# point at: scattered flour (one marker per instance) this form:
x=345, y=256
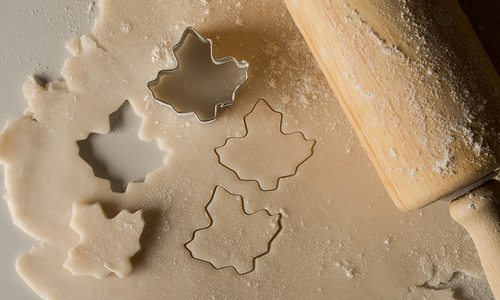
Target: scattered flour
x=125, y=27
x=91, y=8
x=349, y=271
x=394, y=153
x=163, y=53
x=442, y=166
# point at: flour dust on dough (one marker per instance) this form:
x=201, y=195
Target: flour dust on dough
x=106, y=245
x=233, y=238
x=341, y=236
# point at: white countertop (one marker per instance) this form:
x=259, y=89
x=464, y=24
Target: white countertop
x=32, y=35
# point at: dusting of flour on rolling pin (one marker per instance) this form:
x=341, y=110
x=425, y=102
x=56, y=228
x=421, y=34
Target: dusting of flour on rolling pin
x=413, y=76
x=414, y=84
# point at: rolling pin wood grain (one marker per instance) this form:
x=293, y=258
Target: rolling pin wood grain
x=420, y=93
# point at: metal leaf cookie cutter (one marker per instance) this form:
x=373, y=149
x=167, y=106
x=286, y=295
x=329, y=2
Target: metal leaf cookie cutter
x=199, y=84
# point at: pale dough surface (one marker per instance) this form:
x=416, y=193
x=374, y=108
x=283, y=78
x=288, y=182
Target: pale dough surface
x=105, y=245
x=340, y=237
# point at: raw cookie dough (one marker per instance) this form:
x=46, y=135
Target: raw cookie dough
x=105, y=245
x=341, y=236
x=250, y=156
x=233, y=238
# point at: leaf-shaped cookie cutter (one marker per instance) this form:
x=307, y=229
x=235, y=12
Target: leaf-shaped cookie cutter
x=228, y=59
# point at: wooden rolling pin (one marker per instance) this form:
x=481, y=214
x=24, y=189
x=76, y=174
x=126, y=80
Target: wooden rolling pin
x=423, y=98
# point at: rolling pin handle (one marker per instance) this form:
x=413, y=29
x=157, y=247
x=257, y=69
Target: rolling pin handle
x=479, y=213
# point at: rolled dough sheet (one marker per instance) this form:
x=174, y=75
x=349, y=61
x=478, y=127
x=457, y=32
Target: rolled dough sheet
x=340, y=237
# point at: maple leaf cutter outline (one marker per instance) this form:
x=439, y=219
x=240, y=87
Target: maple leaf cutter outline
x=281, y=131
x=220, y=61
x=207, y=213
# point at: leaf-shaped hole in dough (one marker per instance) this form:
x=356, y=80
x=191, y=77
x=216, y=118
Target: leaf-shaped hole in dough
x=120, y=156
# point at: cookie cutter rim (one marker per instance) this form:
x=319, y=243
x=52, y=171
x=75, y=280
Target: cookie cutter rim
x=220, y=61
x=242, y=203
x=280, y=178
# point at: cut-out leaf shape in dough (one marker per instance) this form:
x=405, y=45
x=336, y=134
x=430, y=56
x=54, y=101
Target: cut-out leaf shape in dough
x=120, y=156
x=233, y=238
x=199, y=83
x=106, y=245
x=265, y=154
